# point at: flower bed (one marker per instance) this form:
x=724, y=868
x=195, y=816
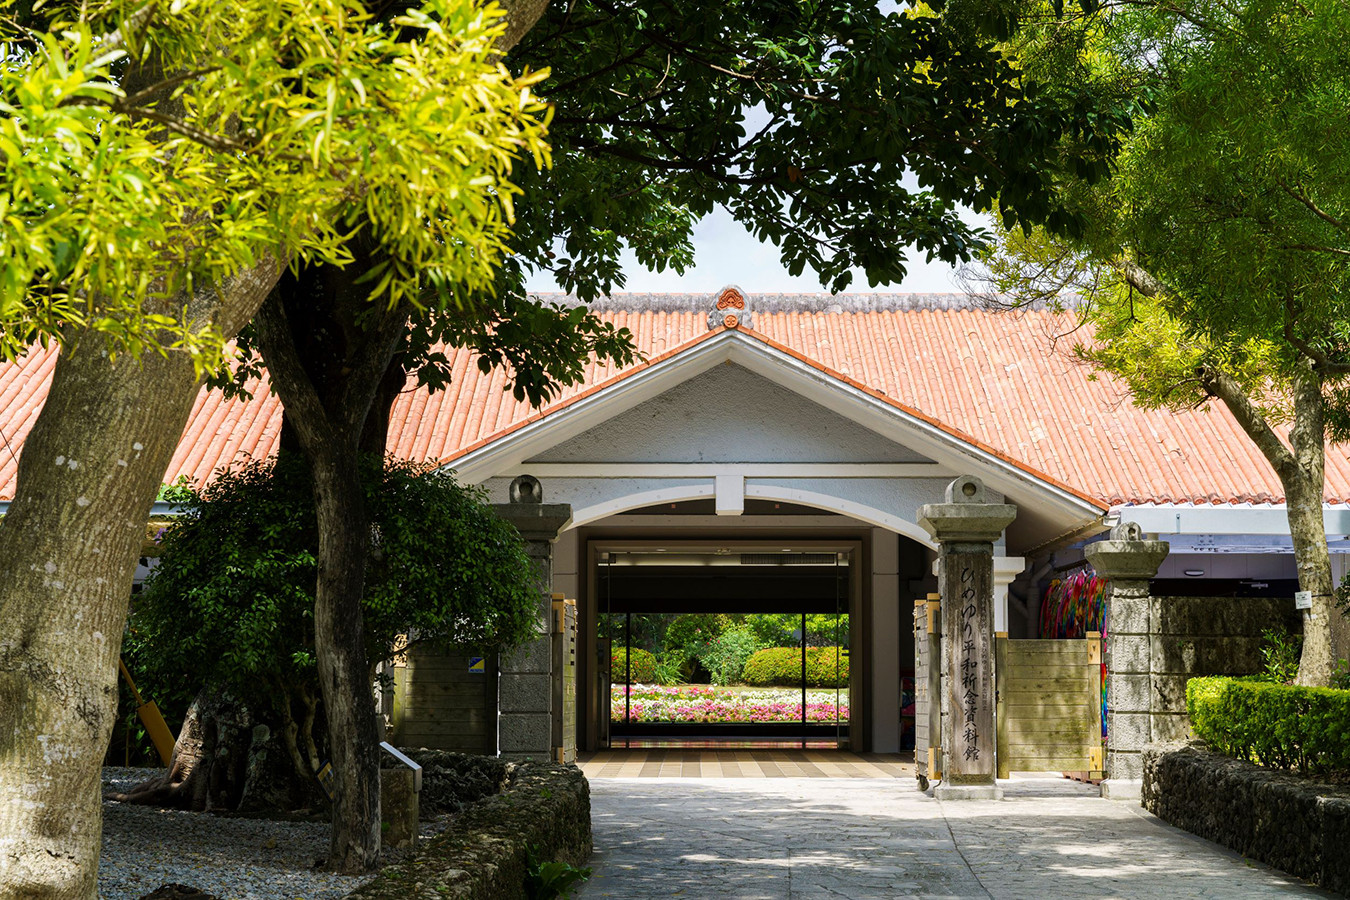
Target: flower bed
x=714, y=703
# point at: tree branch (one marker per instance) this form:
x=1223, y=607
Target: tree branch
x=1306, y=201
x=1317, y=248
x=1226, y=388
x=1321, y=362
x=117, y=40
x=288, y=375
x=380, y=340
x=1139, y=278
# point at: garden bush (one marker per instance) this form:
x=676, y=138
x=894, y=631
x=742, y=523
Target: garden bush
x=826, y=667
x=693, y=633
x=726, y=656
x=783, y=666
x=643, y=665
x=1276, y=725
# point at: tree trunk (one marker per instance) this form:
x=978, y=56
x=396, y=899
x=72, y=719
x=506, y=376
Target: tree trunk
x=327, y=391
x=1302, y=474
x=90, y=470
x=1304, y=487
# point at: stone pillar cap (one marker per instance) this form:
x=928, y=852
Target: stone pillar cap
x=1126, y=556
x=536, y=521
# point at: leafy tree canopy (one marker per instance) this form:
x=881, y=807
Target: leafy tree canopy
x=837, y=131
x=1223, y=228
x=151, y=149
x=232, y=599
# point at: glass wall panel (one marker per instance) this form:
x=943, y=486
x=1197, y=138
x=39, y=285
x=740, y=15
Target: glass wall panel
x=745, y=670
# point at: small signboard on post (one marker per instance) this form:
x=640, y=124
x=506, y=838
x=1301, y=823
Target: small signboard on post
x=477, y=665
x=1302, y=599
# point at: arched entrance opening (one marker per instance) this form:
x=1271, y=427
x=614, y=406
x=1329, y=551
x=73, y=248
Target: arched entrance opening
x=672, y=592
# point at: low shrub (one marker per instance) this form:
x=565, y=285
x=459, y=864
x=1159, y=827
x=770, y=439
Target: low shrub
x=1280, y=653
x=727, y=654
x=1276, y=725
x=783, y=666
x=642, y=663
x=826, y=667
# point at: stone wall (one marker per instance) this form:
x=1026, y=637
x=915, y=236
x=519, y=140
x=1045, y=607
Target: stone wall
x=483, y=854
x=1194, y=636
x=1293, y=824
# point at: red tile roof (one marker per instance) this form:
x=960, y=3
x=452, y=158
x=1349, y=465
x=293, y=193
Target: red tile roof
x=997, y=378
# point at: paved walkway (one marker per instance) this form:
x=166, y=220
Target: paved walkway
x=864, y=838
x=745, y=764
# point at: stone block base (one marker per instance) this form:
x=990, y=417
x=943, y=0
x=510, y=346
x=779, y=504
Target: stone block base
x=1129, y=789
x=946, y=791
x=398, y=808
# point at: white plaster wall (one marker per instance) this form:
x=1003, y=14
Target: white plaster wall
x=729, y=414
x=898, y=497
x=566, y=578
x=1230, y=565
x=885, y=641
x=585, y=493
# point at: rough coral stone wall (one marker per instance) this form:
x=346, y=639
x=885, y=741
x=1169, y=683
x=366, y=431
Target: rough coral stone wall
x=483, y=855
x=1293, y=824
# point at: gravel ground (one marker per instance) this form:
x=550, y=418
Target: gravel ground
x=233, y=859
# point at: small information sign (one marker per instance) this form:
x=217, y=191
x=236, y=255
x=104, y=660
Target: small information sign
x=1302, y=599
x=477, y=665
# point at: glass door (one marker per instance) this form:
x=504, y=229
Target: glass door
x=736, y=647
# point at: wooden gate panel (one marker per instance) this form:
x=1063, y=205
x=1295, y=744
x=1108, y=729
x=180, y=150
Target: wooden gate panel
x=1049, y=705
x=445, y=701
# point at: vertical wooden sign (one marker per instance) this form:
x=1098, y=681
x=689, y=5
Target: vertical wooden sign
x=967, y=578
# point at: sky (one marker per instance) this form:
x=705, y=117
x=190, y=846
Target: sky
x=725, y=253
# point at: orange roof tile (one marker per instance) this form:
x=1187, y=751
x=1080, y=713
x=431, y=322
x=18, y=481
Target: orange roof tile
x=996, y=379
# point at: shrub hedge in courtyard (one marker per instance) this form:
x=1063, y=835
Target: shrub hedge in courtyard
x=1277, y=725
x=643, y=666
x=783, y=666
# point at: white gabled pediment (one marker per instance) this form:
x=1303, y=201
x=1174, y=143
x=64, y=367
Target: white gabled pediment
x=728, y=414
x=735, y=399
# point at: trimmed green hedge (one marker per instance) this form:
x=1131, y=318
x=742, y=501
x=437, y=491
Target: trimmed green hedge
x=643, y=666
x=783, y=666
x=1276, y=725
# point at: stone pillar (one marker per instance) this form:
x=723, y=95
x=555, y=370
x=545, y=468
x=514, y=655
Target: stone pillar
x=1128, y=562
x=965, y=528
x=525, y=723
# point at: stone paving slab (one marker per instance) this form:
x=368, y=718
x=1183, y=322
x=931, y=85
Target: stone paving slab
x=859, y=838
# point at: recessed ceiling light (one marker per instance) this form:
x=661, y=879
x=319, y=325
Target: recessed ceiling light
x=1195, y=573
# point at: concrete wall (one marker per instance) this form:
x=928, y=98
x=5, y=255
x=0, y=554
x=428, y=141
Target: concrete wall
x=1193, y=636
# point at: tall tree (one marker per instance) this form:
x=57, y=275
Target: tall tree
x=162, y=166
x=1217, y=257
x=654, y=124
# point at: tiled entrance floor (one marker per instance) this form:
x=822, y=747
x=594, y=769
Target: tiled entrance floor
x=744, y=764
